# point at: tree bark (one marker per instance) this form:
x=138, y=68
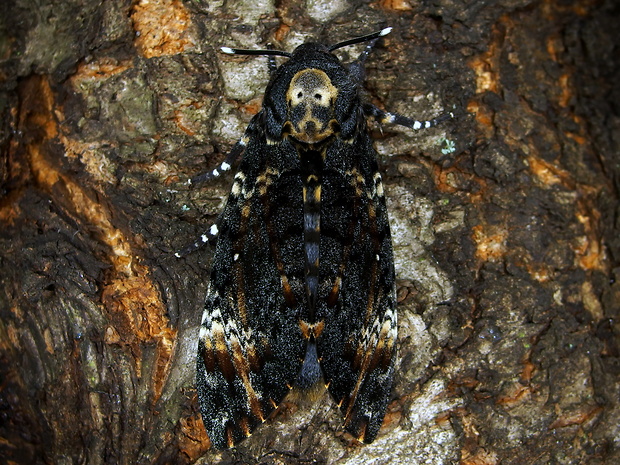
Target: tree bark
x=505, y=225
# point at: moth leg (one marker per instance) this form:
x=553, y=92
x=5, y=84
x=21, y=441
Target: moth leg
x=253, y=129
x=273, y=67
x=226, y=165
x=208, y=237
x=356, y=68
x=394, y=118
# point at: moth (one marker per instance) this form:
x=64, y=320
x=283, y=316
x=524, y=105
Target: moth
x=302, y=286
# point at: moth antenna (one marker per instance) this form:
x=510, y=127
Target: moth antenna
x=239, y=51
x=366, y=38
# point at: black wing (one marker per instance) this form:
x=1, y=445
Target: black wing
x=250, y=349
x=357, y=295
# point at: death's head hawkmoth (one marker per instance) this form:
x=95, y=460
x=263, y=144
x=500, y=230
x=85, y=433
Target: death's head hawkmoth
x=302, y=287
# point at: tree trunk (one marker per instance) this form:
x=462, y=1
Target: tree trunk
x=505, y=225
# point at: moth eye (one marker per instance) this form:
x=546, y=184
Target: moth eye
x=317, y=96
x=300, y=95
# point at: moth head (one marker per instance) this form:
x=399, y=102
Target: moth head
x=311, y=98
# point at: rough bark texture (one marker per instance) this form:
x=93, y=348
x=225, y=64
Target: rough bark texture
x=507, y=247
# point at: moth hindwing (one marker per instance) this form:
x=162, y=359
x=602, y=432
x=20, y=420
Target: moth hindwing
x=302, y=282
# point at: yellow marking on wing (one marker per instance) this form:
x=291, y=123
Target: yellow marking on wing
x=229, y=437
x=242, y=369
x=245, y=427
x=362, y=433
x=289, y=295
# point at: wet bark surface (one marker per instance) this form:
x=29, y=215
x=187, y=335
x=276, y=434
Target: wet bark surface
x=505, y=225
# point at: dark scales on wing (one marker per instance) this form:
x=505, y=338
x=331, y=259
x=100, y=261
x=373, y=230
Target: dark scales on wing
x=302, y=285
x=250, y=347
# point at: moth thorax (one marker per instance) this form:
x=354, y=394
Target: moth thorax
x=311, y=97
